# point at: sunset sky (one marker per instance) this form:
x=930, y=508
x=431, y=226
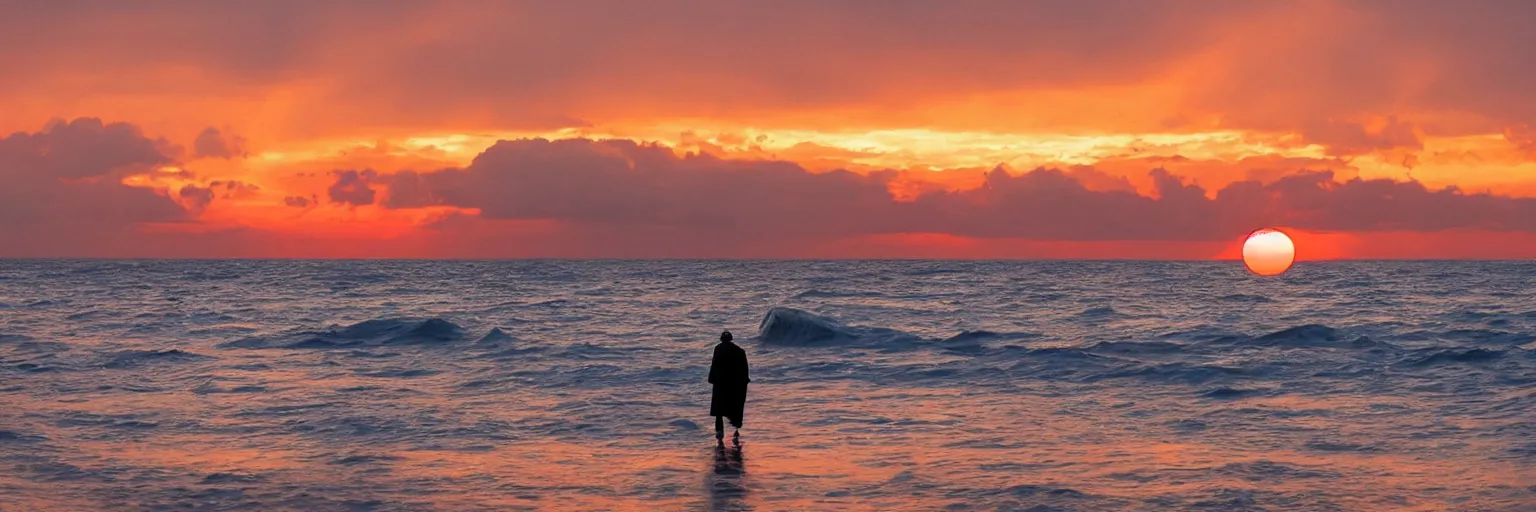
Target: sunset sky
x=968, y=129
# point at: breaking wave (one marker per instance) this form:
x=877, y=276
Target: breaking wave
x=788, y=326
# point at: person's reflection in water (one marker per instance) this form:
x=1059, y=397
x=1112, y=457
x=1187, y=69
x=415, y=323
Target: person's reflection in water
x=726, y=488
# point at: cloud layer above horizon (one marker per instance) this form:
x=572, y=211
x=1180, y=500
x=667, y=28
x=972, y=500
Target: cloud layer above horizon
x=801, y=129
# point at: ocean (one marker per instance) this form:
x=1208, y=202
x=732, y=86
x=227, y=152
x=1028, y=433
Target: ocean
x=877, y=385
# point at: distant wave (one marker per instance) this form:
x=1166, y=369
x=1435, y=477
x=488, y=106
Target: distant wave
x=1312, y=336
x=1302, y=336
x=1136, y=347
x=496, y=335
x=793, y=327
x=977, y=337
x=1099, y=312
x=390, y=331
x=1430, y=357
x=784, y=326
x=133, y=358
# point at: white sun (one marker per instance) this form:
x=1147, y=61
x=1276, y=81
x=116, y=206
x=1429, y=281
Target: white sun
x=1268, y=252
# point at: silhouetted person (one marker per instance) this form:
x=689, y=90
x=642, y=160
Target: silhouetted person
x=728, y=372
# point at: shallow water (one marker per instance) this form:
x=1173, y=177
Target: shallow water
x=879, y=385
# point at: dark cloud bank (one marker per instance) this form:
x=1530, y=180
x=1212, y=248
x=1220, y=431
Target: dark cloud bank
x=63, y=195
x=70, y=174
x=623, y=183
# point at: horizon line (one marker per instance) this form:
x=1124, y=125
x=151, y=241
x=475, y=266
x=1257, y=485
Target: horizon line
x=607, y=258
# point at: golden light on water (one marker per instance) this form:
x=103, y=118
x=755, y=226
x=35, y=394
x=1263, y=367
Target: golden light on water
x=1268, y=252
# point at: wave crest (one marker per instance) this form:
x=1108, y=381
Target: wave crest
x=388, y=331
x=1310, y=336
x=789, y=326
x=792, y=327
x=1433, y=357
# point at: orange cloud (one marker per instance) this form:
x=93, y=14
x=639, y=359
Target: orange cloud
x=621, y=183
x=264, y=101
x=404, y=67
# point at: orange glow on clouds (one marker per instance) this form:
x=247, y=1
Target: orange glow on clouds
x=1215, y=94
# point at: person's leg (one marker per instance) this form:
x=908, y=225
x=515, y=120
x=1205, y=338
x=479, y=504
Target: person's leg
x=719, y=428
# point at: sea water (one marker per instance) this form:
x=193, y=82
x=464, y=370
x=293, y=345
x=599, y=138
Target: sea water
x=877, y=385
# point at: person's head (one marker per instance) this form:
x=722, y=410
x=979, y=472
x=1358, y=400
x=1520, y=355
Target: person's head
x=725, y=336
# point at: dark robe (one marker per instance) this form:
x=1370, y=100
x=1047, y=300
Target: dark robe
x=728, y=372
